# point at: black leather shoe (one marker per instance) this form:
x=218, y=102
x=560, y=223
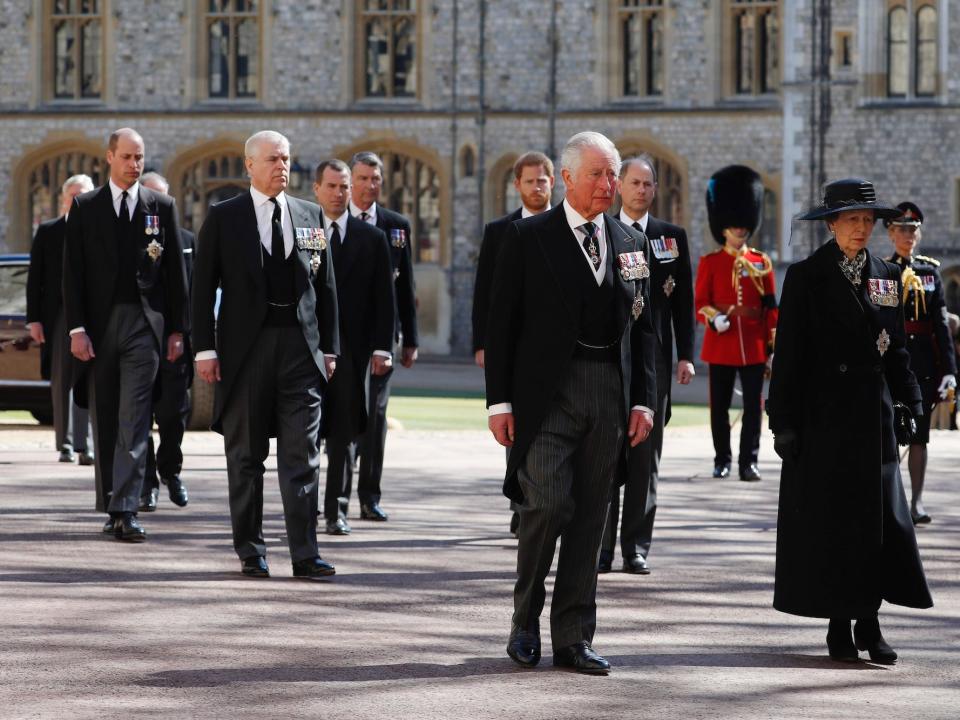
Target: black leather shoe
x=177, y=490
x=338, y=527
x=605, y=563
x=515, y=524
x=636, y=564
x=67, y=455
x=110, y=527
x=255, y=566
x=86, y=458
x=840, y=642
x=581, y=657
x=313, y=568
x=721, y=471
x=751, y=473
x=148, y=501
x=523, y=647
x=129, y=530
x=867, y=635
x=372, y=512
x=919, y=516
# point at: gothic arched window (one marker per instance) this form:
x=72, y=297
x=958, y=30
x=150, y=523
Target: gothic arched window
x=45, y=179
x=215, y=178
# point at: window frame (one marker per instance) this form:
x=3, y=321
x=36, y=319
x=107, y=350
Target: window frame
x=912, y=10
x=645, y=13
x=762, y=85
x=935, y=41
x=361, y=14
x=234, y=17
x=50, y=54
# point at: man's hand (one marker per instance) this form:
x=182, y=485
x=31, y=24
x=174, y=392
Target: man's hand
x=36, y=333
x=81, y=347
x=502, y=428
x=408, y=357
x=209, y=370
x=380, y=365
x=685, y=372
x=330, y=364
x=640, y=426
x=174, y=347
x=478, y=357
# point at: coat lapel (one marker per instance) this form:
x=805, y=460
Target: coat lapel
x=564, y=259
x=619, y=242
x=351, y=249
x=840, y=293
x=299, y=218
x=247, y=222
x=108, y=224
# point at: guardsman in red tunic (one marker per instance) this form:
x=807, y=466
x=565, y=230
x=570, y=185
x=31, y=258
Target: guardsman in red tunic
x=736, y=302
x=932, y=357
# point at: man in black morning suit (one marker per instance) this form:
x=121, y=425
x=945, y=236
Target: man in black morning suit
x=45, y=318
x=123, y=283
x=671, y=295
x=271, y=350
x=366, y=175
x=171, y=406
x=361, y=263
x=570, y=371
x=533, y=180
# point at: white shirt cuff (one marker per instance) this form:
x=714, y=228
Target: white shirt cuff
x=330, y=356
x=383, y=353
x=643, y=409
x=77, y=330
x=205, y=355
x=499, y=409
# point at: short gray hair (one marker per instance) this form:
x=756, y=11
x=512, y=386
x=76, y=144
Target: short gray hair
x=573, y=150
x=155, y=178
x=85, y=180
x=365, y=157
x=250, y=147
x=641, y=159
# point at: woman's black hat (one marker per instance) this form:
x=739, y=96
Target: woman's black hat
x=850, y=194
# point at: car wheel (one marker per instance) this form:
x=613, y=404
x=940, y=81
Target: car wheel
x=201, y=405
x=41, y=417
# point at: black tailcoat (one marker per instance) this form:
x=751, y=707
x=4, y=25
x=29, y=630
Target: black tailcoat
x=401, y=262
x=534, y=323
x=493, y=234
x=845, y=539
x=229, y=256
x=45, y=283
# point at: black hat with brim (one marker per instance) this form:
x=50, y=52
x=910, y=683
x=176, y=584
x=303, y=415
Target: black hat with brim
x=850, y=194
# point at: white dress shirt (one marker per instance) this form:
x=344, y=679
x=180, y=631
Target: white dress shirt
x=370, y=211
x=264, y=211
x=627, y=220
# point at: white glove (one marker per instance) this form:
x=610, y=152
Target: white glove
x=721, y=324
x=949, y=382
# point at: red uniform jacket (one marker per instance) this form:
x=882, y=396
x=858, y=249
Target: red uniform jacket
x=746, y=296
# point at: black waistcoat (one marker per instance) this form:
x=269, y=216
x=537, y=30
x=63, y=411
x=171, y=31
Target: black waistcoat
x=279, y=275
x=129, y=252
x=598, y=321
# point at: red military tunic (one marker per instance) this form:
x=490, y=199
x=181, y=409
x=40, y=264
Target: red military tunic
x=746, y=296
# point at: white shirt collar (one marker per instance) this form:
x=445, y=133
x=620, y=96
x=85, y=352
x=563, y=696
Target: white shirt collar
x=370, y=211
x=575, y=220
x=133, y=194
x=341, y=223
x=525, y=213
x=260, y=198
x=644, y=219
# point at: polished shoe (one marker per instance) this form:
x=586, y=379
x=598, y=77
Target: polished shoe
x=110, y=527
x=867, y=635
x=372, y=512
x=523, y=647
x=255, y=566
x=313, y=568
x=636, y=564
x=177, y=490
x=721, y=471
x=148, y=501
x=605, y=563
x=86, y=458
x=129, y=530
x=581, y=657
x=515, y=524
x=751, y=473
x=919, y=515
x=67, y=455
x=840, y=641
x=338, y=527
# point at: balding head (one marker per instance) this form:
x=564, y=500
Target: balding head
x=125, y=153
x=116, y=135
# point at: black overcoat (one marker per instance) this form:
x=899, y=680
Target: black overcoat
x=845, y=540
x=45, y=284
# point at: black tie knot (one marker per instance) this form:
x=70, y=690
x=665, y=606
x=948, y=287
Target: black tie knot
x=364, y=216
x=636, y=226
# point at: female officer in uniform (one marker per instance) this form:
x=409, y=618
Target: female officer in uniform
x=845, y=541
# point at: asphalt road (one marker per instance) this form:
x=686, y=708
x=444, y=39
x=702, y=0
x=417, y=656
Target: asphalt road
x=414, y=624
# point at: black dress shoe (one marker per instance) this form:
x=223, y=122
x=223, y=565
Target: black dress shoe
x=313, y=568
x=372, y=512
x=66, y=455
x=86, y=458
x=177, y=490
x=605, y=563
x=840, y=642
x=636, y=564
x=129, y=530
x=721, y=471
x=751, y=473
x=110, y=527
x=581, y=657
x=148, y=502
x=523, y=647
x=867, y=635
x=255, y=566
x=919, y=516
x=338, y=527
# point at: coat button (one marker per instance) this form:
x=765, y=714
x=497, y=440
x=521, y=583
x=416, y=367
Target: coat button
x=843, y=367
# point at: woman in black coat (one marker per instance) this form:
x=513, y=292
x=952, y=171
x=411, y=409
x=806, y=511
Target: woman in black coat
x=845, y=540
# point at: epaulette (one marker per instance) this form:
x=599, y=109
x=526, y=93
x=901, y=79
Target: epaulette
x=761, y=253
x=924, y=258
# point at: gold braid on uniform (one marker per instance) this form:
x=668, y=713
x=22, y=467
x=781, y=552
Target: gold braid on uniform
x=756, y=275
x=912, y=282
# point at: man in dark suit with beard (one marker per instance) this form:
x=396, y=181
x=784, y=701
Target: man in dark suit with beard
x=71, y=423
x=271, y=350
x=570, y=372
x=361, y=262
x=671, y=295
x=123, y=285
x=366, y=175
x=533, y=180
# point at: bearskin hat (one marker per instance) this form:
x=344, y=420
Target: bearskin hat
x=734, y=199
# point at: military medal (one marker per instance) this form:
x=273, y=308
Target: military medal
x=633, y=266
x=668, y=285
x=311, y=239
x=637, y=306
x=398, y=237
x=665, y=248
x=929, y=283
x=151, y=224
x=154, y=250
x=883, y=342
x=883, y=292
x=315, y=262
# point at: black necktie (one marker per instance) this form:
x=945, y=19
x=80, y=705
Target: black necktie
x=636, y=226
x=590, y=243
x=335, y=242
x=364, y=216
x=276, y=228
x=124, y=214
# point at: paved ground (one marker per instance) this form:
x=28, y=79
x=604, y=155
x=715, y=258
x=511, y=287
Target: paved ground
x=415, y=621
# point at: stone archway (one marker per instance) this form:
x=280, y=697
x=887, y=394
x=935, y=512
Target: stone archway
x=206, y=174
x=671, y=202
